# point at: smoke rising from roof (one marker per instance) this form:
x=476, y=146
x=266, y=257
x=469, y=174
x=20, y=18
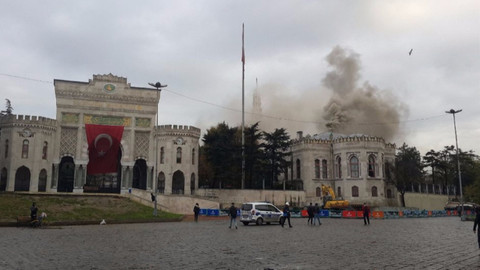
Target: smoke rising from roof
x=341, y=105
x=355, y=108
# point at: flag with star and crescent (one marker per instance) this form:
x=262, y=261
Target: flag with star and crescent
x=103, y=146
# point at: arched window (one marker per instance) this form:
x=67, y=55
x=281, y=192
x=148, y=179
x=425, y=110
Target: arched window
x=339, y=192
x=42, y=181
x=25, y=149
x=44, y=151
x=324, y=169
x=3, y=179
x=318, y=192
x=374, y=191
x=6, y=148
x=179, y=155
x=389, y=193
x=192, y=184
x=193, y=156
x=354, y=191
x=338, y=167
x=354, y=167
x=298, y=169
x=371, y=166
x=161, y=183
x=162, y=155
x=317, y=168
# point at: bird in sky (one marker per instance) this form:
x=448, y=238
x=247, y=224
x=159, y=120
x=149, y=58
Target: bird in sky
x=410, y=52
x=157, y=85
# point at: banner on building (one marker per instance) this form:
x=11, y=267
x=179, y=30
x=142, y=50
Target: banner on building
x=103, y=147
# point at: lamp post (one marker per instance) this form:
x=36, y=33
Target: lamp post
x=453, y=112
x=155, y=184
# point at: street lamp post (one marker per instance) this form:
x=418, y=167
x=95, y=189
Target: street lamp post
x=155, y=184
x=453, y=112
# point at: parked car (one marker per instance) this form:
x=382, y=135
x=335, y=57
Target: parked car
x=259, y=213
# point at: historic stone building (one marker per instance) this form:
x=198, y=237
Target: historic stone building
x=41, y=154
x=352, y=165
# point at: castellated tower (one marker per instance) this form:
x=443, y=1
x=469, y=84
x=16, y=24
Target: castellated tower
x=177, y=162
x=27, y=152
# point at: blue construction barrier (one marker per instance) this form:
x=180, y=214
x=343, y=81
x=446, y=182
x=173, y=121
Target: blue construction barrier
x=213, y=212
x=203, y=212
x=324, y=213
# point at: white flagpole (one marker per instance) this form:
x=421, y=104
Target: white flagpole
x=243, y=107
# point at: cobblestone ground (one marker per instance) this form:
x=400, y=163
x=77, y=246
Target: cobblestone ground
x=416, y=243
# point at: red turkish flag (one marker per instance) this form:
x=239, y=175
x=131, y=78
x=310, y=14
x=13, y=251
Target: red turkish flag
x=103, y=146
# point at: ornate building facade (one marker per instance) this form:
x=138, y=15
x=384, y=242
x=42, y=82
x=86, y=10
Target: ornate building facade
x=52, y=155
x=354, y=166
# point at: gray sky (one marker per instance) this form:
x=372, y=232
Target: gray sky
x=302, y=52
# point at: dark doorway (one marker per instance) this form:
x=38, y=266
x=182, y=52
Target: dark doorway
x=22, y=179
x=106, y=182
x=3, y=180
x=140, y=174
x=178, y=183
x=66, y=175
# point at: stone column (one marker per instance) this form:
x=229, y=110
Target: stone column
x=55, y=172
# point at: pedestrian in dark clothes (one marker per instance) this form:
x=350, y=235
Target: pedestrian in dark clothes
x=316, y=213
x=286, y=215
x=310, y=212
x=477, y=223
x=33, y=212
x=366, y=214
x=232, y=212
x=196, y=211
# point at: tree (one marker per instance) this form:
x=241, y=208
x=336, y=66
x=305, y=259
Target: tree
x=255, y=165
x=222, y=149
x=432, y=160
x=8, y=108
x=276, y=146
x=408, y=169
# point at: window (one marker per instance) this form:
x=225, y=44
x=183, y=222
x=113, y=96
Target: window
x=6, y=148
x=25, y=149
x=389, y=193
x=339, y=192
x=338, y=167
x=44, y=151
x=318, y=192
x=354, y=168
x=179, y=155
x=298, y=168
x=192, y=184
x=193, y=156
x=324, y=169
x=162, y=155
x=354, y=191
x=374, y=191
x=161, y=183
x=371, y=166
x=317, y=168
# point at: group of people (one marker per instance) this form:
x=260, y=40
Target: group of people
x=232, y=212
x=313, y=212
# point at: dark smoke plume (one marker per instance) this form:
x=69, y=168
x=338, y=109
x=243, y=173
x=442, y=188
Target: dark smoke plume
x=355, y=108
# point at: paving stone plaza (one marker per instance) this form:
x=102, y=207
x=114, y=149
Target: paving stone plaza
x=408, y=243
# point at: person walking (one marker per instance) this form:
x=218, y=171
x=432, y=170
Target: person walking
x=232, y=212
x=366, y=214
x=286, y=215
x=310, y=212
x=316, y=212
x=477, y=223
x=196, y=211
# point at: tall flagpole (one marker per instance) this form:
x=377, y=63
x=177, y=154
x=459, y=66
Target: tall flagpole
x=243, y=107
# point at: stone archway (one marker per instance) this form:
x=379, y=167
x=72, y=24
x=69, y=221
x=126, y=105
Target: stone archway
x=22, y=179
x=140, y=174
x=178, y=183
x=66, y=175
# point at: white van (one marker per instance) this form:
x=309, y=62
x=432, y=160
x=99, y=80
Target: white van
x=259, y=213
